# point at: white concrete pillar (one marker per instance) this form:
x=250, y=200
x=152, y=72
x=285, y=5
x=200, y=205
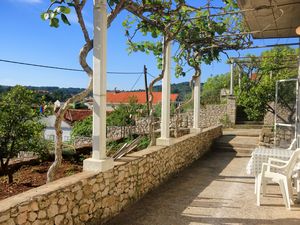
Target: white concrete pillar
x=231, y=77
x=99, y=161
x=197, y=93
x=165, y=103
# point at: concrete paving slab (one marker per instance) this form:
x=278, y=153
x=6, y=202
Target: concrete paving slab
x=213, y=190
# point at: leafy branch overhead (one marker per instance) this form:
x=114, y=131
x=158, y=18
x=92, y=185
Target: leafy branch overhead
x=198, y=34
x=59, y=11
x=205, y=30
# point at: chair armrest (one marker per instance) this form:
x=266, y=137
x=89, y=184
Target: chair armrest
x=267, y=167
x=270, y=160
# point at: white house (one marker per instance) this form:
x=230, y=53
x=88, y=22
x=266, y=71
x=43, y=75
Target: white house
x=49, y=132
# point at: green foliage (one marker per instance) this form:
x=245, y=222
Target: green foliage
x=190, y=28
x=182, y=89
x=48, y=94
x=83, y=128
x=157, y=109
x=212, y=88
x=123, y=114
x=144, y=143
x=188, y=106
x=226, y=121
x=79, y=105
x=19, y=126
x=58, y=13
x=257, y=94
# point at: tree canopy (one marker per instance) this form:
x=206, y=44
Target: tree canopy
x=259, y=81
x=212, y=88
x=20, y=129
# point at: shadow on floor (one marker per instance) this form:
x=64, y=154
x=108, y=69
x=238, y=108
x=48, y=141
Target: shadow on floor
x=213, y=190
x=177, y=193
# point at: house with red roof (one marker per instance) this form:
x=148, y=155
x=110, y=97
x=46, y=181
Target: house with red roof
x=73, y=115
x=117, y=97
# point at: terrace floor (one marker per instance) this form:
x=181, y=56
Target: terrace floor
x=213, y=190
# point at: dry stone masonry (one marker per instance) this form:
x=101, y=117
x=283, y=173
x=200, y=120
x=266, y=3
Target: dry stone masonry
x=88, y=197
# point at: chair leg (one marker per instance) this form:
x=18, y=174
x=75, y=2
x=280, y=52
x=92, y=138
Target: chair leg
x=287, y=191
x=264, y=186
x=255, y=185
x=258, y=186
x=290, y=189
x=298, y=187
x=284, y=190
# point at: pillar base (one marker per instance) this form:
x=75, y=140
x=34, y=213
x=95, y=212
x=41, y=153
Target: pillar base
x=164, y=141
x=98, y=165
x=195, y=130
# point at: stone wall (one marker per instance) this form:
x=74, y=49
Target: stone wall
x=231, y=109
x=284, y=137
x=88, y=197
x=284, y=115
x=213, y=115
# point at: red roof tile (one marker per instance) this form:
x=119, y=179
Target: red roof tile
x=73, y=115
x=253, y=76
x=124, y=97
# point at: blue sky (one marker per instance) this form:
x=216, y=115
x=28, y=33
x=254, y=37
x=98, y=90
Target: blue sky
x=25, y=37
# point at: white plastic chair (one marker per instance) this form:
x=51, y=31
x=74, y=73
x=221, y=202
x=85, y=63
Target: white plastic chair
x=282, y=177
x=292, y=146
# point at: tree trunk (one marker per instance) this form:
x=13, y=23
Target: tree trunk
x=60, y=115
x=10, y=177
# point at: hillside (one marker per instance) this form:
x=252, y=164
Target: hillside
x=54, y=93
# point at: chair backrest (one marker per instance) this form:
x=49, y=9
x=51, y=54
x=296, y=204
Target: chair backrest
x=295, y=157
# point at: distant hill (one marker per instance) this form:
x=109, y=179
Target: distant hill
x=182, y=89
x=54, y=93
x=51, y=93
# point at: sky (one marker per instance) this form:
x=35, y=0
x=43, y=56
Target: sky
x=25, y=37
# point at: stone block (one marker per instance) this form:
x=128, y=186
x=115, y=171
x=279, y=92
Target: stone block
x=42, y=214
x=52, y=211
x=22, y=218
x=59, y=219
x=32, y=216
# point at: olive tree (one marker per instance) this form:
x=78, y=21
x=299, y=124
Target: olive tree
x=257, y=93
x=20, y=129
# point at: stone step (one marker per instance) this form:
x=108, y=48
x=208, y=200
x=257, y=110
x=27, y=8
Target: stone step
x=242, y=132
x=237, y=141
x=248, y=126
x=240, y=151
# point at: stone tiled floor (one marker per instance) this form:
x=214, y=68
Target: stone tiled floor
x=214, y=190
